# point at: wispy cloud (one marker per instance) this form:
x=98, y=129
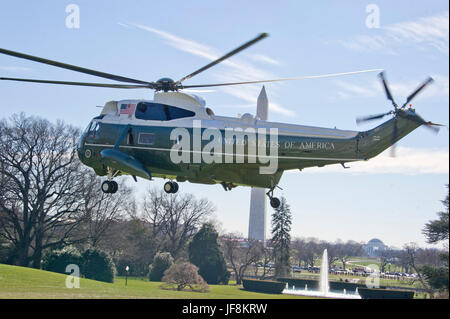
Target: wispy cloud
x=264, y=59
x=236, y=69
x=14, y=68
x=408, y=161
x=431, y=31
x=400, y=90
x=350, y=90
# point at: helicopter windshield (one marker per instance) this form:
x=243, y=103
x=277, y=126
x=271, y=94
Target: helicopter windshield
x=160, y=112
x=88, y=128
x=92, y=129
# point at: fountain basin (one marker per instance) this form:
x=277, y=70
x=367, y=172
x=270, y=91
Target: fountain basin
x=318, y=293
x=320, y=288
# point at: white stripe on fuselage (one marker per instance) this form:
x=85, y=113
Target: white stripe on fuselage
x=227, y=154
x=222, y=122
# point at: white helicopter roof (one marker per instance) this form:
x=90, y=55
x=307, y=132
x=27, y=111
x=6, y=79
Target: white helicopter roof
x=186, y=101
x=197, y=105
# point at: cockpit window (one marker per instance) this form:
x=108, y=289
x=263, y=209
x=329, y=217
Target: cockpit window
x=93, y=129
x=160, y=112
x=88, y=128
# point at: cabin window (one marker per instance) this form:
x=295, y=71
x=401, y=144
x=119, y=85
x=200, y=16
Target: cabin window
x=151, y=111
x=146, y=138
x=160, y=112
x=178, y=113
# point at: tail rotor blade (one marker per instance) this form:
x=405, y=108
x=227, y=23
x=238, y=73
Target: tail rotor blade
x=394, y=138
x=393, y=150
x=386, y=89
x=420, y=88
x=360, y=120
x=433, y=127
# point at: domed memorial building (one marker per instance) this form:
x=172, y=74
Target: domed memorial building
x=374, y=247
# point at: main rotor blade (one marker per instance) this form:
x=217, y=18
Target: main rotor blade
x=226, y=56
x=278, y=80
x=372, y=117
x=73, y=67
x=117, y=86
x=386, y=89
x=420, y=88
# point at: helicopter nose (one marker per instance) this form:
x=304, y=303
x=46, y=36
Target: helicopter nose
x=80, y=147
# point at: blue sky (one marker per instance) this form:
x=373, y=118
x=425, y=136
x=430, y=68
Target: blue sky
x=387, y=198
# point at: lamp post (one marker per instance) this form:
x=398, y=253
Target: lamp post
x=126, y=275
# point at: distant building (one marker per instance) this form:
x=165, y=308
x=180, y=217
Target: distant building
x=374, y=247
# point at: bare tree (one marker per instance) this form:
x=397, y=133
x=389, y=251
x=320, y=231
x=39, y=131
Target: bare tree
x=386, y=256
x=174, y=218
x=410, y=253
x=100, y=209
x=267, y=257
x=347, y=250
x=240, y=254
x=40, y=185
x=332, y=251
x=307, y=250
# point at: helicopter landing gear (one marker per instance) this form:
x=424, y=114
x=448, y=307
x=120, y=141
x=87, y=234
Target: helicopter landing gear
x=171, y=187
x=227, y=186
x=274, y=201
x=109, y=187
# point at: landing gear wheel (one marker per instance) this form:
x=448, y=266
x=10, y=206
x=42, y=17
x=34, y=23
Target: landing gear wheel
x=109, y=187
x=274, y=202
x=106, y=187
x=171, y=187
x=175, y=187
x=114, y=187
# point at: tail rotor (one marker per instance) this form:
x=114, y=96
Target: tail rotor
x=397, y=110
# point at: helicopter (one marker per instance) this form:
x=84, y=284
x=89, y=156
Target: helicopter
x=177, y=137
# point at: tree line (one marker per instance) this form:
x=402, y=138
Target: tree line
x=48, y=201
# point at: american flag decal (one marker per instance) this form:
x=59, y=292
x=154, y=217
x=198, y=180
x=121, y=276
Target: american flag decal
x=127, y=108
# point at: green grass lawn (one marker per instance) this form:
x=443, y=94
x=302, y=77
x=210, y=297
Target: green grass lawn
x=28, y=283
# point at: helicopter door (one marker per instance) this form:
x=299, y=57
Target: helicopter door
x=130, y=137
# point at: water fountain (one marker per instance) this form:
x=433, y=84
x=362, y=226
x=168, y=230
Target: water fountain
x=324, y=288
